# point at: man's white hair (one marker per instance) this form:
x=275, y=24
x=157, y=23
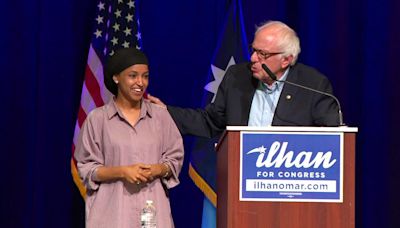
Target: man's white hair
x=288, y=40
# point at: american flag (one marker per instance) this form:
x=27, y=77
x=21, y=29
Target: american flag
x=116, y=26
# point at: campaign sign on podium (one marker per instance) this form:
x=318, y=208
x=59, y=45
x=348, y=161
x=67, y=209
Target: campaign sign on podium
x=291, y=166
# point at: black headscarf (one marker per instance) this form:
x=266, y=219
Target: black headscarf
x=122, y=59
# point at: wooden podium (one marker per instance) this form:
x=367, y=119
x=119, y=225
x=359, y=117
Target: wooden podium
x=233, y=213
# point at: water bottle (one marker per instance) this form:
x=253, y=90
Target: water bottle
x=148, y=215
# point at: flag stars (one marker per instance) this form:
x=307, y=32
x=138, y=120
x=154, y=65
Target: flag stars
x=117, y=13
x=116, y=27
x=101, y=6
x=125, y=44
x=120, y=1
x=127, y=31
x=114, y=41
x=131, y=4
x=138, y=35
x=218, y=76
x=99, y=19
x=98, y=33
x=129, y=17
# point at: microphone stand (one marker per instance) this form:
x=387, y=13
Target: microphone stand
x=273, y=77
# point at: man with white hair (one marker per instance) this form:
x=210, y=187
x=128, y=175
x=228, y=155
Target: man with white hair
x=247, y=96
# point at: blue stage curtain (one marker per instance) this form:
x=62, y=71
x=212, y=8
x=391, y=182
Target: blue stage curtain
x=44, y=46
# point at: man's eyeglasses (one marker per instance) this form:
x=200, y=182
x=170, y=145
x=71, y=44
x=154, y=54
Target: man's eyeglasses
x=263, y=54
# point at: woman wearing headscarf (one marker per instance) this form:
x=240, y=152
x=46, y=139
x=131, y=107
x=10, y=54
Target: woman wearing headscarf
x=129, y=150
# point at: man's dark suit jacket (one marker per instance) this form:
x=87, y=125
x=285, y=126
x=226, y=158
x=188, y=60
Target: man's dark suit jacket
x=296, y=106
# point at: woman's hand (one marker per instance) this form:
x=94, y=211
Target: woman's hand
x=142, y=173
x=159, y=170
x=137, y=173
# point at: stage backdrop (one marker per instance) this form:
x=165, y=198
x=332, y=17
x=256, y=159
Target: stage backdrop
x=44, y=46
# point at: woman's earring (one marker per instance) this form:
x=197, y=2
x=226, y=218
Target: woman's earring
x=116, y=82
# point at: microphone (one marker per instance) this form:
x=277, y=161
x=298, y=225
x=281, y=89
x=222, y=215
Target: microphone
x=273, y=77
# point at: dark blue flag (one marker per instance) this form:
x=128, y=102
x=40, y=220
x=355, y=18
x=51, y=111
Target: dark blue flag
x=232, y=48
